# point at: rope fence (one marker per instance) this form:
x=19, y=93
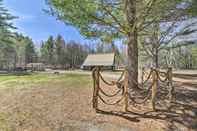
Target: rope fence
x=148, y=91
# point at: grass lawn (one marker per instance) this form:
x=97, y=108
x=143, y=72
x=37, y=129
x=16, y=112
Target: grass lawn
x=35, y=87
x=35, y=79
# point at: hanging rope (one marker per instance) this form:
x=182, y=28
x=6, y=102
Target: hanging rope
x=148, y=94
x=114, y=103
x=96, y=72
x=141, y=102
x=163, y=74
x=110, y=95
x=122, y=85
x=148, y=78
x=111, y=83
x=162, y=80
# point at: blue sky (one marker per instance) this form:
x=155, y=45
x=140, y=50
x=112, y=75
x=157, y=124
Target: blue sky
x=38, y=25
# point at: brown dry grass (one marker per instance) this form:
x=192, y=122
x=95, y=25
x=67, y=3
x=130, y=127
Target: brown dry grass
x=63, y=103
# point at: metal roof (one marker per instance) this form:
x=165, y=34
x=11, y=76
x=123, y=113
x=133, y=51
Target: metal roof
x=99, y=60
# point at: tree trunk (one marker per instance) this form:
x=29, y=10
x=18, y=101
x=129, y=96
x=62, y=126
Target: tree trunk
x=156, y=44
x=132, y=50
x=155, y=58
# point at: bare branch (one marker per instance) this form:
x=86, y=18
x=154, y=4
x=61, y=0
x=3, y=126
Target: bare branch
x=114, y=18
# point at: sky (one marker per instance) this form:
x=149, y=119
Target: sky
x=38, y=25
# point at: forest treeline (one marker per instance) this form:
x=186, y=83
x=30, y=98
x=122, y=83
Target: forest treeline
x=17, y=50
x=57, y=53
x=181, y=57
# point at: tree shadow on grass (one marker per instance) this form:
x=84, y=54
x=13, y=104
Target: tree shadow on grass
x=187, y=117
x=185, y=76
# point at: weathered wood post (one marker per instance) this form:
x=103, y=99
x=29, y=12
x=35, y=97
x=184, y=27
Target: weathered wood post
x=154, y=88
x=126, y=93
x=170, y=76
x=96, y=87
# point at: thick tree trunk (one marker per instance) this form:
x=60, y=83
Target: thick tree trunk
x=156, y=44
x=132, y=50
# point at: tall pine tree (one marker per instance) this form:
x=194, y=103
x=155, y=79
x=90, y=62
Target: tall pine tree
x=7, y=51
x=60, y=46
x=6, y=26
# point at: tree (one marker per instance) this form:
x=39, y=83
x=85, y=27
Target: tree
x=48, y=51
x=163, y=35
x=6, y=24
x=103, y=19
x=59, y=47
x=7, y=49
x=194, y=56
x=25, y=50
x=75, y=54
x=117, y=19
x=20, y=44
x=7, y=56
x=44, y=53
x=64, y=54
x=30, y=53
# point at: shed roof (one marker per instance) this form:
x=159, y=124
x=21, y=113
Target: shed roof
x=34, y=64
x=100, y=60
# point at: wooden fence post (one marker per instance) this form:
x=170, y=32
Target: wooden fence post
x=96, y=88
x=126, y=95
x=154, y=89
x=170, y=75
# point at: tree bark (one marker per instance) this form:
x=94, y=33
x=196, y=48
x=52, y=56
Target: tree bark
x=132, y=50
x=155, y=58
x=156, y=44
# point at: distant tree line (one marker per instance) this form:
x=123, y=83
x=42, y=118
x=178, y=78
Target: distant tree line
x=14, y=48
x=60, y=54
x=55, y=53
x=182, y=56
x=17, y=50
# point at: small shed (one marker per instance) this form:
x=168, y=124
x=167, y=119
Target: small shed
x=35, y=66
x=105, y=61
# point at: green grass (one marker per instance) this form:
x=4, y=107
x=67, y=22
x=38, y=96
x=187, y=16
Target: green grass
x=31, y=80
